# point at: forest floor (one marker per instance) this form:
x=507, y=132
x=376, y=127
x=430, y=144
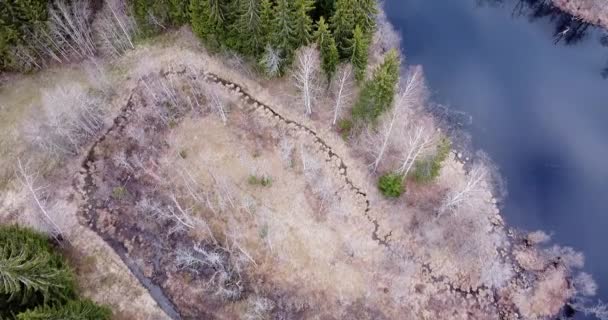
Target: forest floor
x=181, y=210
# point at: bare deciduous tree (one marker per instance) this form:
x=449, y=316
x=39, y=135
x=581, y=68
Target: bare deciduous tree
x=306, y=76
x=73, y=116
x=114, y=28
x=420, y=138
x=343, y=90
x=376, y=141
x=216, y=102
x=70, y=27
x=29, y=181
x=462, y=195
x=226, y=281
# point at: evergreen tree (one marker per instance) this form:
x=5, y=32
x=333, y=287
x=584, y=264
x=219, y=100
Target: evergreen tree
x=283, y=33
x=266, y=22
x=302, y=22
x=327, y=46
x=207, y=18
x=31, y=273
x=73, y=310
x=178, y=12
x=365, y=16
x=378, y=93
x=323, y=8
x=19, y=18
x=151, y=15
x=343, y=25
x=359, y=49
x=248, y=27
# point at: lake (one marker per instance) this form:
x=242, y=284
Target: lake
x=539, y=109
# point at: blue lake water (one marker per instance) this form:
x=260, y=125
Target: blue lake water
x=539, y=109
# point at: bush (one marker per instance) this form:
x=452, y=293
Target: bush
x=427, y=170
x=391, y=185
x=119, y=193
x=261, y=181
x=345, y=127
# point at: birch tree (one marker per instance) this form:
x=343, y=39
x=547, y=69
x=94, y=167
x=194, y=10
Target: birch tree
x=306, y=76
x=70, y=27
x=115, y=28
x=73, y=116
x=463, y=194
x=419, y=138
x=379, y=140
x=343, y=90
x=29, y=181
x=396, y=129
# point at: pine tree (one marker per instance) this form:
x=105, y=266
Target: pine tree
x=73, y=310
x=248, y=27
x=359, y=49
x=266, y=22
x=343, y=25
x=30, y=272
x=378, y=93
x=302, y=22
x=207, y=18
x=365, y=16
x=283, y=36
x=329, y=51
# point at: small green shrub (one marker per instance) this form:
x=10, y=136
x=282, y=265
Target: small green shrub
x=391, y=185
x=259, y=181
x=345, y=127
x=119, y=193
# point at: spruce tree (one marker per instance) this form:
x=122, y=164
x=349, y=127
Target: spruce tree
x=207, y=18
x=31, y=273
x=17, y=20
x=248, y=27
x=327, y=46
x=302, y=22
x=378, y=93
x=324, y=8
x=359, y=49
x=365, y=16
x=151, y=15
x=178, y=12
x=283, y=35
x=343, y=25
x=73, y=310
x=266, y=22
